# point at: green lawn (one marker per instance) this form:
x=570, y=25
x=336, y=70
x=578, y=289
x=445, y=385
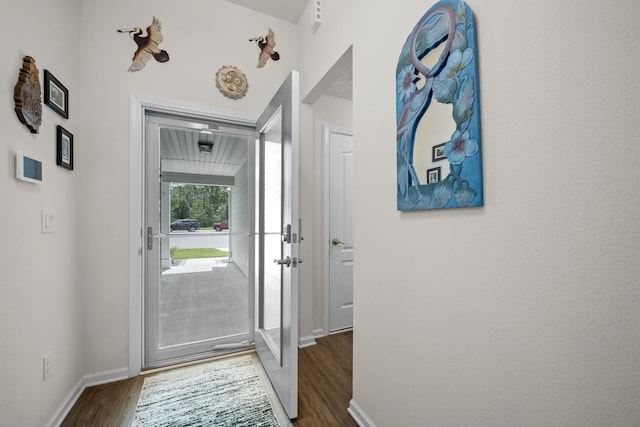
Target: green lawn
x=177, y=253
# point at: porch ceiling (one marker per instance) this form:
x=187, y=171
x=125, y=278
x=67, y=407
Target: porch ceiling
x=180, y=153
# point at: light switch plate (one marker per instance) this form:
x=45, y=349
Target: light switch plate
x=48, y=221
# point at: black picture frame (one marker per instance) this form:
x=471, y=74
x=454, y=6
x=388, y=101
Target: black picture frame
x=56, y=95
x=437, y=152
x=433, y=175
x=64, y=148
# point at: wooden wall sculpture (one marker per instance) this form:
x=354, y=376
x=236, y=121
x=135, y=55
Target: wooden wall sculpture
x=27, y=95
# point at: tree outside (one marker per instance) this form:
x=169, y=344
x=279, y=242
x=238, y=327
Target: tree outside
x=206, y=203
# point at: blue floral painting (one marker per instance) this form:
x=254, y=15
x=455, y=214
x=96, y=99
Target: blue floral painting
x=449, y=27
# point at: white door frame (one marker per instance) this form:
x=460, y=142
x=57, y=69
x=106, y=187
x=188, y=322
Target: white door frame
x=327, y=131
x=138, y=105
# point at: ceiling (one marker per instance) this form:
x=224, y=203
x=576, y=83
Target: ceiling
x=179, y=153
x=286, y=10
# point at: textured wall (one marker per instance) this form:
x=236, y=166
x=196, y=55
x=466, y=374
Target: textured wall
x=525, y=311
x=40, y=300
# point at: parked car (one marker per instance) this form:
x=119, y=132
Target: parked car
x=185, y=224
x=221, y=225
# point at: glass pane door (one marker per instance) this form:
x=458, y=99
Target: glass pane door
x=276, y=337
x=271, y=315
x=197, y=287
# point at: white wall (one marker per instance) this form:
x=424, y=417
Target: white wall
x=239, y=219
x=318, y=52
x=200, y=37
x=40, y=307
x=525, y=311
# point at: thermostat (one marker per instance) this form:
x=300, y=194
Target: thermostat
x=28, y=169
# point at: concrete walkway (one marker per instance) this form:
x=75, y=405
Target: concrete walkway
x=197, y=265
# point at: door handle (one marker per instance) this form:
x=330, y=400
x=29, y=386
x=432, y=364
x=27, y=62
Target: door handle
x=151, y=236
x=336, y=242
x=286, y=261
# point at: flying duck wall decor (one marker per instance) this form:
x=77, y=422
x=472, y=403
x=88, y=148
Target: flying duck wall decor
x=147, y=45
x=266, y=45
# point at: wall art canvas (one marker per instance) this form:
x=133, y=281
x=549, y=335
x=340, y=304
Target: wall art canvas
x=438, y=111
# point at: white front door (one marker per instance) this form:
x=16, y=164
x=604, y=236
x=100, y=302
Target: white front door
x=197, y=299
x=278, y=238
x=340, y=147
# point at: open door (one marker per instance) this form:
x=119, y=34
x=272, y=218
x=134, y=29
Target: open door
x=278, y=239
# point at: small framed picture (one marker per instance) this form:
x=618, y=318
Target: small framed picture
x=64, y=151
x=437, y=152
x=433, y=175
x=56, y=96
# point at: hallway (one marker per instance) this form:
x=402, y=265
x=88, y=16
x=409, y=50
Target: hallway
x=324, y=384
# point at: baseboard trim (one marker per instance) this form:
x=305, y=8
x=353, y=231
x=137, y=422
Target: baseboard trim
x=106, y=377
x=310, y=340
x=307, y=341
x=358, y=415
x=67, y=404
x=86, y=381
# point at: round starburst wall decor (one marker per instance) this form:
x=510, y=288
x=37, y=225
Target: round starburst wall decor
x=231, y=82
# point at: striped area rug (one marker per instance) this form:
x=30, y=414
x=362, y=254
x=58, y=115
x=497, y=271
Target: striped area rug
x=228, y=392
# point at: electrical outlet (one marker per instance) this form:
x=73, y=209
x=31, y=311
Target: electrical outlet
x=46, y=366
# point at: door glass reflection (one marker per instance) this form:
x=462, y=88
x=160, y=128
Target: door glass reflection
x=272, y=278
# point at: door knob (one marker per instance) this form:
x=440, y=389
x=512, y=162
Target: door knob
x=336, y=242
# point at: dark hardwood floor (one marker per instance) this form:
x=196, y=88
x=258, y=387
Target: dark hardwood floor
x=324, y=390
x=324, y=382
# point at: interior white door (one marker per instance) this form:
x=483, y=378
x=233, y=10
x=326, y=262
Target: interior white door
x=276, y=336
x=340, y=230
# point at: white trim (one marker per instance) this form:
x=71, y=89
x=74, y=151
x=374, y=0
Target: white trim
x=310, y=340
x=136, y=136
x=138, y=104
x=325, y=224
x=358, y=415
x=66, y=405
x=86, y=381
x=326, y=246
x=105, y=377
x=307, y=341
x=340, y=331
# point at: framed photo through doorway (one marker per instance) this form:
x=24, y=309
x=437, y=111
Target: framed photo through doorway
x=433, y=175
